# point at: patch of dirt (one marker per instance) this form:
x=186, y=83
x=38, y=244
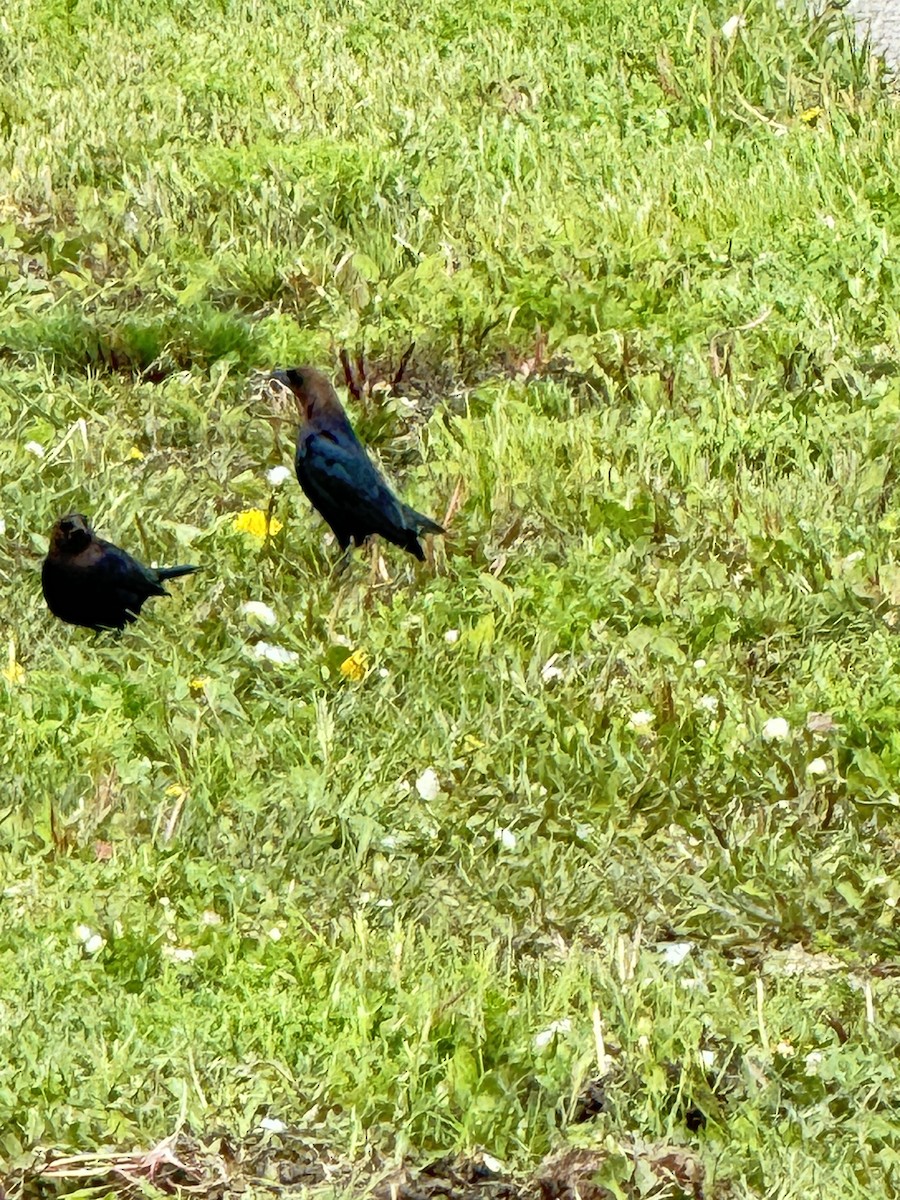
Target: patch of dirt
x=290, y=1163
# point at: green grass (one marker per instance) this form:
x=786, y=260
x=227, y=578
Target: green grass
x=651, y=275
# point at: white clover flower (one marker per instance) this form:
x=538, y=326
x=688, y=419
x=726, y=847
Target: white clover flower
x=272, y=1125
x=506, y=838
x=818, y=766
x=675, y=953
x=785, y=1049
x=549, y=671
x=710, y=703
x=812, y=1060
x=451, y=636
x=84, y=933
x=732, y=25
x=428, y=785
x=641, y=721
x=278, y=475
x=36, y=449
x=94, y=944
x=259, y=612
x=181, y=954
x=274, y=654
x=776, y=729
x=546, y=1036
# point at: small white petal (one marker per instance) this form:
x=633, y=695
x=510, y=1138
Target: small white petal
x=710, y=703
x=642, y=721
x=94, y=944
x=272, y=1125
x=274, y=654
x=36, y=449
x=259, y=612
x=506, y=838
x=278, y=475
x=178, y=953
x=732, y=25
x=812, y=1062
x=708, y=1058
x=211, y=917
x=828, y=221
x=818, y=766
x=428, y=785
x=383, y=672
x=785, y=1049
x=2, y=527
x=84, y=933
x=699, y=664
x=546, y=1036
x=675, y=953
x=451, y=636
x=549, y=671
x=274, y=934
x=776, y=729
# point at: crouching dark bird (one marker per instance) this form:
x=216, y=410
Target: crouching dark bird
x=337, y=475
x=88, y=581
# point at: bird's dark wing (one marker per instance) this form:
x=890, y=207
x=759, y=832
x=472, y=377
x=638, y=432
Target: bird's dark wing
x=122, y=582
x=345, y=487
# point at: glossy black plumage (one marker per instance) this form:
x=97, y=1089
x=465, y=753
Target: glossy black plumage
x=337, y=475
x=88, y=581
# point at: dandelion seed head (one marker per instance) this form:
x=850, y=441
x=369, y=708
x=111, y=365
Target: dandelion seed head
x=278, y=475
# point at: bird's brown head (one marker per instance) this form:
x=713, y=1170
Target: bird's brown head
x=71, y=534
x=312, y=390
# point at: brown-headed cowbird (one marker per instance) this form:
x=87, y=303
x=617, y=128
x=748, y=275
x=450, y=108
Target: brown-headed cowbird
x=338, y=476
x=88, y=581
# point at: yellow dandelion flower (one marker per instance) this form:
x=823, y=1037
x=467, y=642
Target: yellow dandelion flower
x=255, y=522
x=811, y=114
x=13, y=672
x=134, y=455
x=355, y=667
x=175, y=790
x=199, y=684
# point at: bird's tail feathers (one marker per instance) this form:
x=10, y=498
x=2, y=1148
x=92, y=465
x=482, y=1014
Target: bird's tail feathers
x=174, y=572
x=421, y=523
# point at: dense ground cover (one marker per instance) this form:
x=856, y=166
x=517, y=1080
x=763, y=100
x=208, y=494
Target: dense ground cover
x=615, y=796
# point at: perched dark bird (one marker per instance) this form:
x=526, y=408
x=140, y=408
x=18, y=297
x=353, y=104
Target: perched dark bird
x=88, y=581
x=338, y=476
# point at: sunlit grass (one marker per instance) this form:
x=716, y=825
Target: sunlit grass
x=378, y=857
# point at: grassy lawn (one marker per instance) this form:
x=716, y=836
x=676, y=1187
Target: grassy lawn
x=606, y=801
